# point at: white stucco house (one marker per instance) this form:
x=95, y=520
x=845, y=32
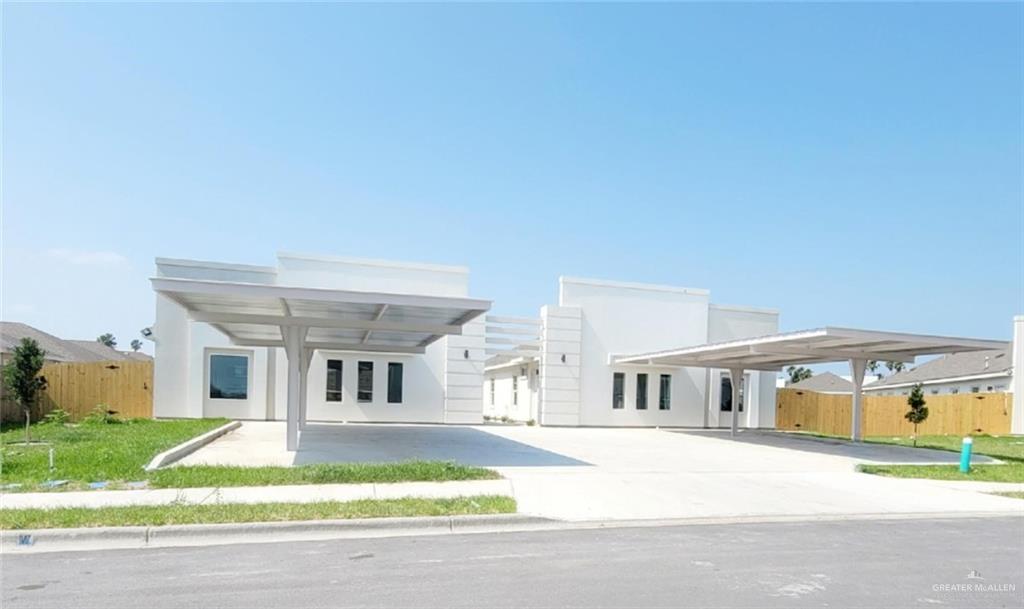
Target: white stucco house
x=320, y=338
x=563, y=374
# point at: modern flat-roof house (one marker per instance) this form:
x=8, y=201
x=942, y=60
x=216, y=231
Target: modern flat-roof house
x=973, y=372
x=562, y=372
x=318, y=338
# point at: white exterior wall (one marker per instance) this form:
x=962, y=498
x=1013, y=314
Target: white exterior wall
x=620, y=318
x=733, y=323
x=440, y=385
x=1017, y=415
x=517, y=401
x=561, y=381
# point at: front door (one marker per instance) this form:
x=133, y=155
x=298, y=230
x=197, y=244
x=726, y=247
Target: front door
x=725, y=399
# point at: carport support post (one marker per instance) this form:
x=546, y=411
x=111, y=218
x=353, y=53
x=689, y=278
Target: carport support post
x=736, y=380
x=307, y=357
x=294, y=346
x=857, y=368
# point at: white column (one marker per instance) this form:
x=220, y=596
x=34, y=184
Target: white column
x=736, y=378
x=1017, y=380
x=307, y=357
x=294, y=345
x=857, y=367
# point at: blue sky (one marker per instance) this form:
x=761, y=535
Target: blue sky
x=855, y=165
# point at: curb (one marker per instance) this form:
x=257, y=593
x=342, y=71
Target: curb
x=108, y=538
x=190, y=446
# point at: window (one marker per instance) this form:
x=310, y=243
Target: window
x=618, y=390
x=394, y=383
x=334, y=380
x=989, y=389
x=975, y=389
x=229, y=377
x=641, y=391
x=725, y=395
x=365, y=389
x=492, y=392
x=935, y=392
x=954, y=390
x=515, y=390
x=665, y=392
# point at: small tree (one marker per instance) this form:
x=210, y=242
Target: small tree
x=873, y=367
x=107, y=339
x=894, y=366
x=22, y=379
x=136, y=344
x=798, y=373
x=918, y=412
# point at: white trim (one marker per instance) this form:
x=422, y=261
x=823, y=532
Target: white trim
x=218, y=266
x=320, y=322
x=650, y=287
x=375, y=262
x=745, y=309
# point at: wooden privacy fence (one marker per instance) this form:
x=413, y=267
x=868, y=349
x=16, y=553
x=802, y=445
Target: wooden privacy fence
x=882, y=415
x=123, y=386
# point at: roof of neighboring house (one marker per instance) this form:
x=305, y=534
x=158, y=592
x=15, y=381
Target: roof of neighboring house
x=955, y=366
x=59, y=349
x=826, y=382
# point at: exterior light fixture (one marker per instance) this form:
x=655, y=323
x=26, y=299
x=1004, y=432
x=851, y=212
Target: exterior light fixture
x=563, y=358
x=465, y=354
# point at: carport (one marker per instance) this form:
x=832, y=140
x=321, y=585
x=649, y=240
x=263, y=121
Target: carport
x=302, y=320
x=823, y=345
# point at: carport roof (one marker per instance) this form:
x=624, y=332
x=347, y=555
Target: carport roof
x=820, y=345
x=252, y=314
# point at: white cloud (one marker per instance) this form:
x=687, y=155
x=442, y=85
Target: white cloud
x=87, y=258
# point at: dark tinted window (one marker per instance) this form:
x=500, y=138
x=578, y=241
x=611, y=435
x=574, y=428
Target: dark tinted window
x=229, y=377
x=334, y=380
x=618, y=390
x=641, y=391
x=665, y=392
x=365, y=388
x=394, y=383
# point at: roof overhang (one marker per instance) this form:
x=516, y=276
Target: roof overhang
x=817, y=346
x=252, y=314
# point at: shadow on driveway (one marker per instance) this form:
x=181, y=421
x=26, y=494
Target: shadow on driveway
x=861, y=451
x=392, y=443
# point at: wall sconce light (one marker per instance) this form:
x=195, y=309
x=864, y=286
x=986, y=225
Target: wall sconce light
x=465, y=354
x=563, y=358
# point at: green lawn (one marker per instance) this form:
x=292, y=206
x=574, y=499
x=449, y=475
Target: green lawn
x=91, y=452
x=326, y=473
x=1005, y=448
x=117, y=453
x=155, y=515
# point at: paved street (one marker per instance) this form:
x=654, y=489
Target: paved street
x=892, y=563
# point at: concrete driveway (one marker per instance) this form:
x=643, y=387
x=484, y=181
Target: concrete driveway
x=597, y=474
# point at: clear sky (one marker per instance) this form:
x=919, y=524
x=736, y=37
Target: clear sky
x=856, y=165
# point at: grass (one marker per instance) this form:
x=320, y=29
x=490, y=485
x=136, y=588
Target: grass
x=117, y=453
x=1014, y=495
x=326, y=473
x=87, y=452
x=156, y=515
x=1009, y=449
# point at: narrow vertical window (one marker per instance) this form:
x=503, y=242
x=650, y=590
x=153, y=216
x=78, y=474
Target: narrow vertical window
x=515, y=390
x=665, y=392
x=365, y=388
x=725, y=394
x=492, y=392
x=641, y=391
x=394, y=383
x=334, y=380
x=618, y=390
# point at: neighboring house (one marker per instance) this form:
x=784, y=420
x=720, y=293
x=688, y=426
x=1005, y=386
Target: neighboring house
x=971, y=372
x=59, y=350
x=402, y=342
x=826, y=382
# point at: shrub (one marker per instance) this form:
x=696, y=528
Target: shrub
x=58, y=416
x=102, y=415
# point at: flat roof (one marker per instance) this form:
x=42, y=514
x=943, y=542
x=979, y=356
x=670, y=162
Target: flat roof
x=820, y=345
x=252, y=314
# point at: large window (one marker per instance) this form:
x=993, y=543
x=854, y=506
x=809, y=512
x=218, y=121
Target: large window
x=641, y=391
x=665, y=392
x=229, y=377
x=618, y=390
x=365, y=386
x=725, y=396
x=394, y=383
x=334, y=380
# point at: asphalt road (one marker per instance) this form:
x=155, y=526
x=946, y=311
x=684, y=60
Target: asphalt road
x=890, y=563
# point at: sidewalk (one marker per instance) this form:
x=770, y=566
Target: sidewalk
x=304, y=493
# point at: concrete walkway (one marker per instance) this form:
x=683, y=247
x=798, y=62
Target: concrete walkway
x=305, y=493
